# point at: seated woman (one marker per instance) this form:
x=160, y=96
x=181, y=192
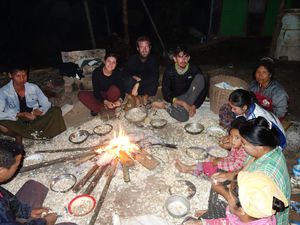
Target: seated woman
x=242, y=103
x=260, y=142
x=25, y=111
x=269, y=92
x=253, y=199
x=107, y=87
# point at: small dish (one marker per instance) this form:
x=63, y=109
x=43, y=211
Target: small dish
x=216, y=132
x=103, y=129
x=183, y=187
x=177, y=206
x=158, y=123
x=136, y=115
x=63, y=183
x=217, y=151
x=81, y=205
x=194, y=128
x=196, y=153
x=79, y=136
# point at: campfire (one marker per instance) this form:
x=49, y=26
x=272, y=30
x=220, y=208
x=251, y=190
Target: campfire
x=120, y=149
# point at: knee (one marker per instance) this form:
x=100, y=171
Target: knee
x=199, y=78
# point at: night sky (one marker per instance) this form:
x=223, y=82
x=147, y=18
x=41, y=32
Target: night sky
x=36, y=31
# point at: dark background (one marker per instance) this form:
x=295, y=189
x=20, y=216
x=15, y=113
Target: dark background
x=36, y=31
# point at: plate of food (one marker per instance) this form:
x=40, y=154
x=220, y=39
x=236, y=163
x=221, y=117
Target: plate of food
x=183, y=187
x=216, y=151
x=216, y=132
x=177, y=206
x=158, y=123
x=197, y=153
x=79, y=136
x=63, y=183
x=81, y=205
x=194, y=128
x=103, y=129
x=136, y=115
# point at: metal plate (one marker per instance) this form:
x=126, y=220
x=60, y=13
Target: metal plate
x=194, y=128
x=136, y=115
x=79, y=136
x=103, y=129
x=158, y=123
x=56, y=182
x=183, y=187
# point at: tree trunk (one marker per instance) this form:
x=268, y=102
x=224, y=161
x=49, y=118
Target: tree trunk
x=125, y=22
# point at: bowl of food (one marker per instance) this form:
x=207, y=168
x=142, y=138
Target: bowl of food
x=103, y=129
x=196, y=153
x=216, y=132
x=216, y=151
x=136, y=115
x=63, y=183
x=194, y=128
x=79, y=136
x=158, y=123
x=177, y=206
x=81, y=205
x=183, y=188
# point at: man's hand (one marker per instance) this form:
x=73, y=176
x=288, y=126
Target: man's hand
x=178, y=102
x=26, y=116
x=192, y=110
x=37, y=112
x=136, y=78
x=37, y=213
x=51, y=218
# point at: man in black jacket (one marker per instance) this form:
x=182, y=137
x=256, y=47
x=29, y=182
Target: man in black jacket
x=142, y=70
x=184, y=87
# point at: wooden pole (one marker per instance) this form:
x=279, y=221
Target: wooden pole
x=125, y=22
x=64, y=150
x=85, y=159
x=277, y=28
x=96, y=179
x=83, y=181
x=54, y=161
x=90, y=25
x=104, y=192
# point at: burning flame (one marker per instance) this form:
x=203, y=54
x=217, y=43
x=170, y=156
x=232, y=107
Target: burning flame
x=120, y=143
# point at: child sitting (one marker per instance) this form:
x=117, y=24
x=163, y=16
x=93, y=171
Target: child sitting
x=12, y=210
x=232, y=162
x=253, y=199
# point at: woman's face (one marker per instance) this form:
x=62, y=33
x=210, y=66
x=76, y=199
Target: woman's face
x=235, y=138
x=262, y=76
x=110, y=64
x=238, y=110
x=250, y=148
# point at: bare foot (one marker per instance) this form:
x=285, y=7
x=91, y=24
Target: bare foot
x=183, y=168
x=158, y=105
x=135, y=89
x=145, y=99
x=200, y=213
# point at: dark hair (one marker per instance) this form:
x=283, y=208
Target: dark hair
x=258, y=132
x=18, y=67
x=110, y=54
x=241, y=97
x=8, y=151
x=278, y=205
x=181, y=48
x=141, y=39
x=237, y=123
x=268, y=63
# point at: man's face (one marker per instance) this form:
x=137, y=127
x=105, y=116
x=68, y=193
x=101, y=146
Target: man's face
x=19, y=77
x=6, y=174
x=181, y=60
x=143, y=48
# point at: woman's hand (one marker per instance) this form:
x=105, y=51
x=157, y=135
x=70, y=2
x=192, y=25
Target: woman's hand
x=26, y=116
x=37, y=112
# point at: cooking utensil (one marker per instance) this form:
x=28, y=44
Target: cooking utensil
x=63, y=183
x=177, y=206
x=194, y=128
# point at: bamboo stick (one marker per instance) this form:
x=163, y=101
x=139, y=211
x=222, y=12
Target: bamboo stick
x=68, y=149
x=85, y=159
x=93, y=184
x=104, y=192
x=126, y=159
x=83, y=181
x=126, y=176
x=54, y=161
